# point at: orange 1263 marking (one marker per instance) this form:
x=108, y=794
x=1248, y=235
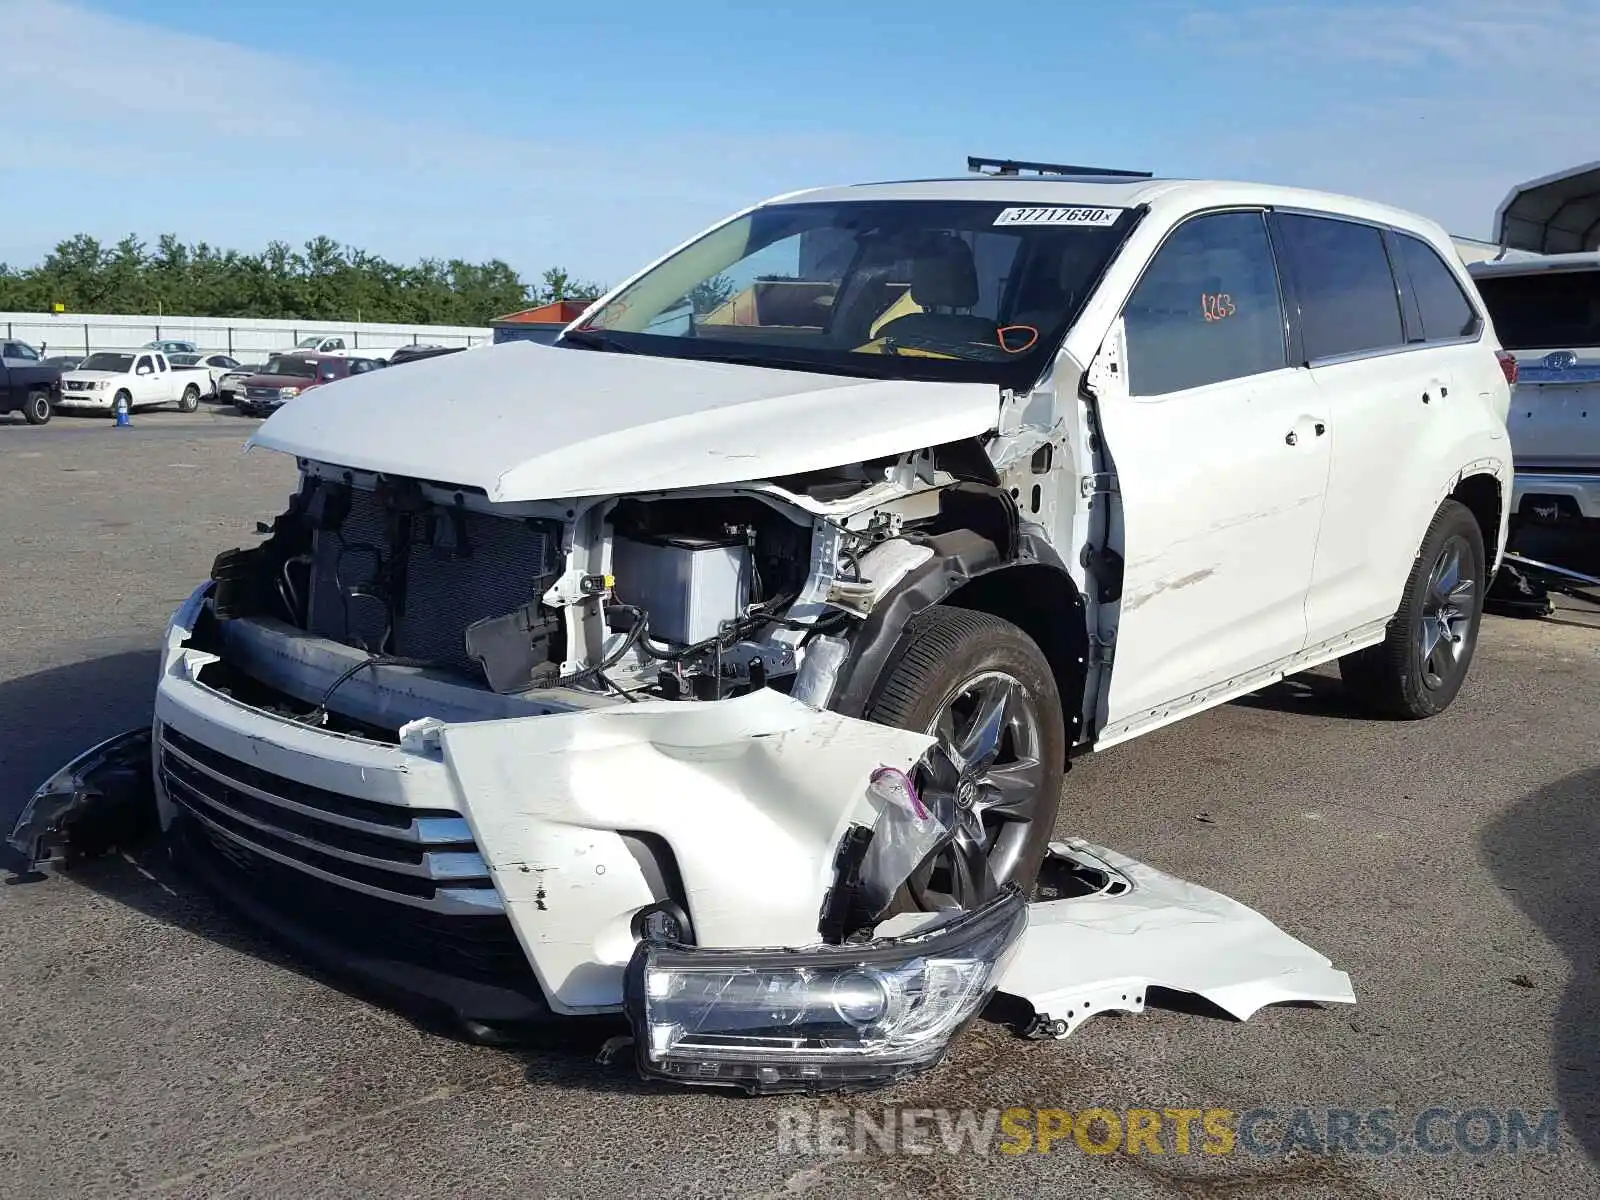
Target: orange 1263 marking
x=1217, y=306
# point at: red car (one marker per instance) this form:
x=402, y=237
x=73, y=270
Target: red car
x=287, y=375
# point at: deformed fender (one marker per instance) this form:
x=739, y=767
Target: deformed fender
x=751, y=796
x=1087, y=954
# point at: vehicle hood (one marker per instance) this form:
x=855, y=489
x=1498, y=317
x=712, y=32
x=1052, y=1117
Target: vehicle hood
x=91, y=376
x=523, y=421
x=300, y=381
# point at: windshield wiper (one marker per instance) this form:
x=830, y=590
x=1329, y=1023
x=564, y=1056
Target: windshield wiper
x=592, y=339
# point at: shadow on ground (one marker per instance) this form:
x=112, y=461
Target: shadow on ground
x=1542, y=852
x=68, y=709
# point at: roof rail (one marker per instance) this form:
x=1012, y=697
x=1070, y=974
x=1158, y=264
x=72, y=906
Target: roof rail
x=1011, y=166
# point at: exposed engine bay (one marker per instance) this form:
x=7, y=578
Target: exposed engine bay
x=679, y=596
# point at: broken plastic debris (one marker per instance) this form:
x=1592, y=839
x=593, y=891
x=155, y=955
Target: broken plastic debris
x=100, y=801
x=1132, y=928
x=903, y=836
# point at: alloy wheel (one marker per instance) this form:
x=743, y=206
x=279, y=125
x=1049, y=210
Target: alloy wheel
x=984, y=780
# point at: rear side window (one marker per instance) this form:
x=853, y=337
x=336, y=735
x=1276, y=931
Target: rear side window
x=1549, y=311
x=1446, y=311
x=1207, y=308
x=1348, y=302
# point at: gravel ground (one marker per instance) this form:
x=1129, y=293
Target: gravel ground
x=153, y=1045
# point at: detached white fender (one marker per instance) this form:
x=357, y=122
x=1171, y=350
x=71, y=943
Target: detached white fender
x=1088, y=954
x=752, y=795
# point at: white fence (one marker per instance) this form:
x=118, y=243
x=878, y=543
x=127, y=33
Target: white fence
x=83, y=333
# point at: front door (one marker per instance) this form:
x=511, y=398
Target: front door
x=1220, y=453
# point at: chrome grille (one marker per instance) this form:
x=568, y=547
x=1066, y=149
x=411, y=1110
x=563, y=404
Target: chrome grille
x=261, y=393
x=502, y=565
x=425, y=858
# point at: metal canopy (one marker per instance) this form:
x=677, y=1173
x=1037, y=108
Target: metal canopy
x=1557, y=214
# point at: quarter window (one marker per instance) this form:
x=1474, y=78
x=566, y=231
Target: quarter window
x=1207, y=309
x=1348, y=301
x=1446, y=311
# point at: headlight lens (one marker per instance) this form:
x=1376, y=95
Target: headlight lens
x=822, y=1018
x=288, y=393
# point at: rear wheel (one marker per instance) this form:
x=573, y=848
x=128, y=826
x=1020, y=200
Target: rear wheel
x=1419, y=667
x=190, y=400
x=36, y=409
x=984, y=689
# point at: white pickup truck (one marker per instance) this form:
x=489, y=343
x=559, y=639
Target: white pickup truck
x=144, y=378
x=1547, y=312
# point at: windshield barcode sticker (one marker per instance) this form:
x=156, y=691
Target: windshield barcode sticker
x=1058, y=215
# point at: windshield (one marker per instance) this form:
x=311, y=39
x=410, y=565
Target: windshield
x=120, y=363
x=1553, y=310
x=925, y=289
x=183, y=360
x=310, y=343
x=303, y=368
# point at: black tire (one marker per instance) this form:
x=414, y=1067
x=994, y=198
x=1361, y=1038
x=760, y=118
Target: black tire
x=36, y=408
x=190, y=399
x=945, y=659
x=1403, y=677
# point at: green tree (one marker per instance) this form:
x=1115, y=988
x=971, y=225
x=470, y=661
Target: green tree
x=322, y=280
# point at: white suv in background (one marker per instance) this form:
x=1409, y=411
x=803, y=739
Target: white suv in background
x=562, y=653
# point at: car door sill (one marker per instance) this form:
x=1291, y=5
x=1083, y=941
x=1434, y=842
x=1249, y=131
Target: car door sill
x=1225, y=690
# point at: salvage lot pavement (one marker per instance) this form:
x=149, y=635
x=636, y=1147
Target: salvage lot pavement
x=152, y=1045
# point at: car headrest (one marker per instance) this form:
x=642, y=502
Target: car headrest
x=945, y=276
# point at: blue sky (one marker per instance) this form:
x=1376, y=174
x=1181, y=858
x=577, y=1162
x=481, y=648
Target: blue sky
x=598, y=136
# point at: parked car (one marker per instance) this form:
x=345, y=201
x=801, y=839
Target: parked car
x=171, y=346
x=63, y=362
x=141, y=378
x=653, y=671
x=214, y=365
x=286, y=376
x=230, y=386
x=417, y=353
x=28, y=384
x=1546, y=310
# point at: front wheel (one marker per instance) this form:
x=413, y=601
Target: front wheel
x=190, y=400
x=1419, y=667
x=36, y=408
x=984, y=689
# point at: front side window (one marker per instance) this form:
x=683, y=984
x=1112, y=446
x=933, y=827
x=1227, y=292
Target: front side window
x=145, y=367
x=1207, y=308
x=1348, y=301
x=1553, y=310
x=926, y=289
x=1446, y=312
x=21, y=350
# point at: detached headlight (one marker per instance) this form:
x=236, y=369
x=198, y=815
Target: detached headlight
x=288, y=393
x=825, y=1018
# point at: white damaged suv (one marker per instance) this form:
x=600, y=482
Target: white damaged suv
x=722, y=663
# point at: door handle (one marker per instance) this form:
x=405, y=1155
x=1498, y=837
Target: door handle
x=1291, y=438
x=1320, y=428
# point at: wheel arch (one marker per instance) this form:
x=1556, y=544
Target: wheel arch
x=1483, y=495
x=1024, y=582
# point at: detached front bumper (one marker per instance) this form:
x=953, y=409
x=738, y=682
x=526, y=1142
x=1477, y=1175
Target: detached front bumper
x=519, y=852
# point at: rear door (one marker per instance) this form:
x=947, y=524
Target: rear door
x=1219, y=447
x=1398, y=400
